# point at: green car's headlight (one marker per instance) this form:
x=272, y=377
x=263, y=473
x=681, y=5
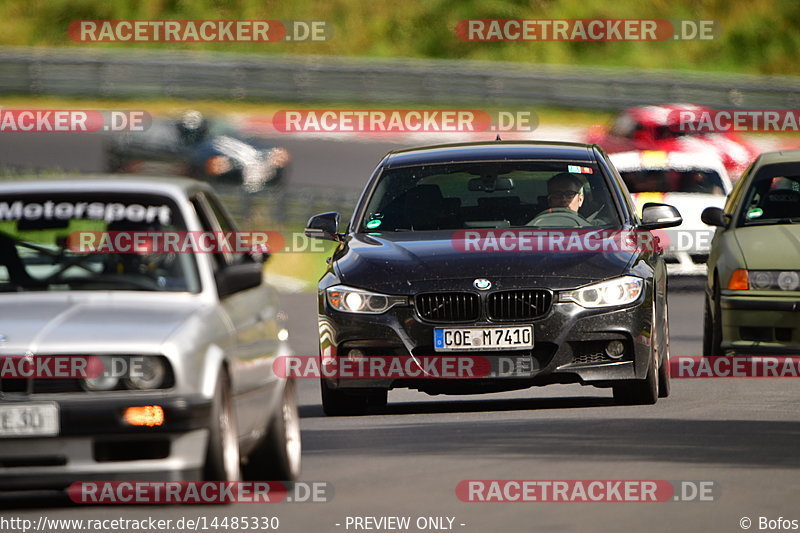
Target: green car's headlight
x=619, y=291
x=350, y=300
x=765, y=280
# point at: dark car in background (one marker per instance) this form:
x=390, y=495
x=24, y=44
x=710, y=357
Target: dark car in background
x=203, y=148
x=401, y=283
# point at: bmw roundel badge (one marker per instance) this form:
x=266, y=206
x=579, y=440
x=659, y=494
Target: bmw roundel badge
x=482, y=284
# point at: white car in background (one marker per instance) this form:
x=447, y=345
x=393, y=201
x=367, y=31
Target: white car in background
x=689, y=181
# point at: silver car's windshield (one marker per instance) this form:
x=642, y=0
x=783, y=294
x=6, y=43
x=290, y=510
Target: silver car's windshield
x=61, y=242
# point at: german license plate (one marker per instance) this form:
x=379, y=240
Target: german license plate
x=474, y=339
x=29, y=419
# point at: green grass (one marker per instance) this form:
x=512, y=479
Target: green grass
x=758, y=36
x=546, y=115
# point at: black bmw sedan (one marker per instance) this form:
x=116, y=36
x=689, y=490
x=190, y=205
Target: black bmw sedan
x=522, y=263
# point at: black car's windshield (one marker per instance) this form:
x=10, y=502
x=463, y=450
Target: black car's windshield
x=673, y=180
x=772, y=200
x=57, y=242
x=459, y=196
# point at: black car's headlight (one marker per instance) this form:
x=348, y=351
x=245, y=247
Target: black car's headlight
x=350, y=300
x=610, y=293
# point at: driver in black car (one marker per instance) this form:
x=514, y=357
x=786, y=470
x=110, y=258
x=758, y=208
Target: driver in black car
x=565, y=190
x=565, y=197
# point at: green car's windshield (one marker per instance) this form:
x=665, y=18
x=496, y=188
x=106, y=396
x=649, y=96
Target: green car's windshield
x=458, y=196
x=41, y=247
x=772, y=200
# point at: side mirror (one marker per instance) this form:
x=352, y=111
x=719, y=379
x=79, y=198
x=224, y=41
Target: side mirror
x=235, y=278
x=714, y=216
x=323, y=226
x=657, y=216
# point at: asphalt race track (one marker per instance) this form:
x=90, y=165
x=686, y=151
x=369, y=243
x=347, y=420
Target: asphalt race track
x=742, y=434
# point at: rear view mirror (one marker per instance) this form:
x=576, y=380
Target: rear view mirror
x=489, y=184
x=25, y=224
x=323, y=226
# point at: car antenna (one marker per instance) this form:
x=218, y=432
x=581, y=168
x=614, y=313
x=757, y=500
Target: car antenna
x=498, y=138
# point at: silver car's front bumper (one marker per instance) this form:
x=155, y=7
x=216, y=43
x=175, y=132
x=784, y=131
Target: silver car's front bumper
x=94, y=443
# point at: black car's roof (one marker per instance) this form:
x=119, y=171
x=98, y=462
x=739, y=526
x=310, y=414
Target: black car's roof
x=491, y=151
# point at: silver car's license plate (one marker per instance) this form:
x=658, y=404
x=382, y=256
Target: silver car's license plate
x=474, y=339
x=29, y=419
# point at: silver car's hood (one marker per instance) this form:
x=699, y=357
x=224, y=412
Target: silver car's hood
x=91, y=322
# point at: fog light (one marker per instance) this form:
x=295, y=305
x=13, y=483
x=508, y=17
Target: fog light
x=615, y=349
x=146, y=415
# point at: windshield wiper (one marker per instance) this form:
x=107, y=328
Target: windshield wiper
x=772, y=221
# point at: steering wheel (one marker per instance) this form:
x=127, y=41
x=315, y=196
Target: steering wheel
x=559, y=217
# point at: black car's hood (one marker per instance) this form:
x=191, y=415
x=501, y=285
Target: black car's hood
x=393, y=262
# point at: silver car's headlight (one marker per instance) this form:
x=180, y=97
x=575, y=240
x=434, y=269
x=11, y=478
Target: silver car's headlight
x=610, y=293
x=350, y=300
x=146, y=372
x=126, y=372
x=105, y=381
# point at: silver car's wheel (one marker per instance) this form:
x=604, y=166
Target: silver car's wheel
x=291, y=422
x=222, y=457
x=278, y=456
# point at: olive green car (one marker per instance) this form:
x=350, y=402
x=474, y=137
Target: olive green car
x=752, y=304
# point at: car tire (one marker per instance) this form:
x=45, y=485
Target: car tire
x=278, y=456
x=222, y=454
x=640, y=391
x=663, y=368
x=712, y=324
x=339, y=403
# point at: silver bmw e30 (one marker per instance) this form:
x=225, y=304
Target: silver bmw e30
x=179, y=344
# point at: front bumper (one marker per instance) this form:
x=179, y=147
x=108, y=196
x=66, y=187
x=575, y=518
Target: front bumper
x=569, y=343
x=760, y=325
x=95, y=443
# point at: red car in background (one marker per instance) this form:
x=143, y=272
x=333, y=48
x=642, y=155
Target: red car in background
x=656, y=128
